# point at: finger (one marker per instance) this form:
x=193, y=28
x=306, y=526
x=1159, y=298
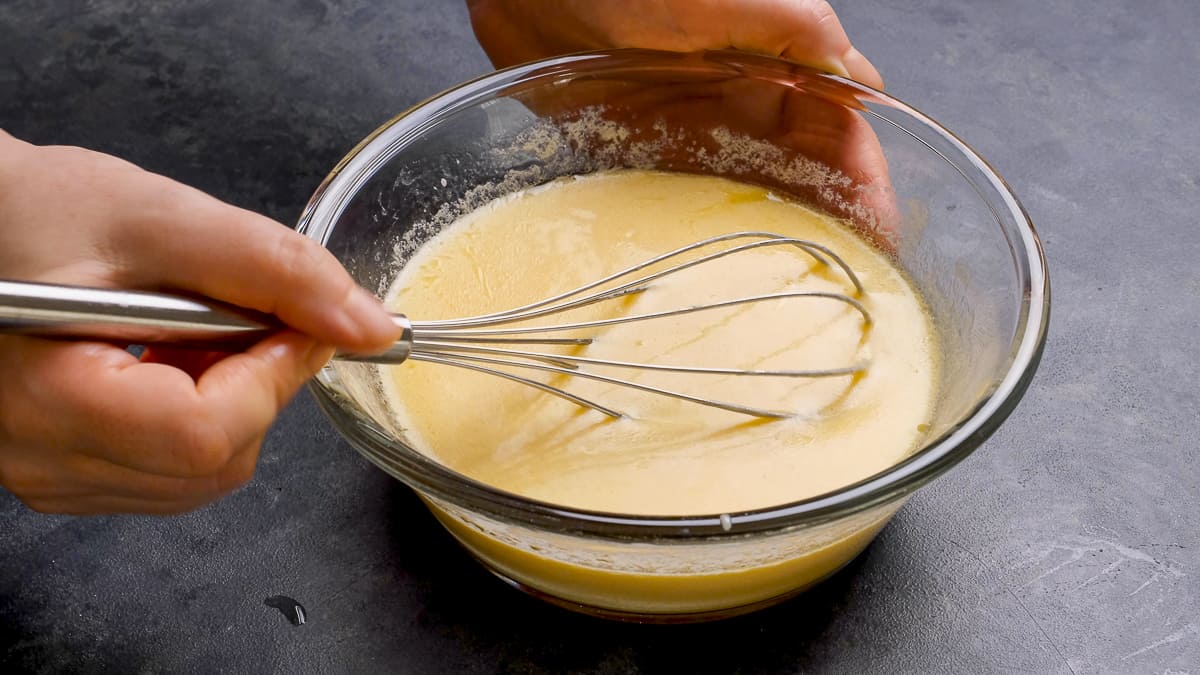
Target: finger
x=38, y=476
x=154, y=418
x=840, y=138
x=175, y=236
x=131, y=492
x=106, y=478
x=861, y=69
x=41, y=475
x=248, y=391
x=99, y=505
x=805, y=31
x=96, y=476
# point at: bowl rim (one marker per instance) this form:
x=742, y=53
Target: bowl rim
x=896, y=482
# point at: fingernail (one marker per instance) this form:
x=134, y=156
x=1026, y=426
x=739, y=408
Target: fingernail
x=838, y=67
x=373, y=322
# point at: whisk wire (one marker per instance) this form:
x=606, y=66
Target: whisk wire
x=465, y=342
x=549, y=389
x=420, y=333
x=460, y=359
x=575, y=361
x=547, y=306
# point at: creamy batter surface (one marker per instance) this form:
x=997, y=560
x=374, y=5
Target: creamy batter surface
x=668, y=457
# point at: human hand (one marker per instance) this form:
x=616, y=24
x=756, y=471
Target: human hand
x=88, y=428
x=804, y=31
x=815, y=122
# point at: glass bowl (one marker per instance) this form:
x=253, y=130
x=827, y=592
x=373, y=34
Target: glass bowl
x=903, y=181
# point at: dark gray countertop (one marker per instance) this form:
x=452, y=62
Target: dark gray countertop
x=1067, y=544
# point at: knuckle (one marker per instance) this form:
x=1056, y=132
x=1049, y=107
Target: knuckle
x=240, y=470
x=825, y=19
x=26, y=481
x=296, y=255
x=301, y=261
x=822, y=12
x=40, y=505
x=235, y=479
x=202, y=445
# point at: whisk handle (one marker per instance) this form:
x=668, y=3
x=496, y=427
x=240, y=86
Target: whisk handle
x=145, y=318
x=129, y=317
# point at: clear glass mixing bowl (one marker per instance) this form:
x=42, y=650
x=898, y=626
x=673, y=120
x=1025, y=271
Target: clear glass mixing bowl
x=897, y=176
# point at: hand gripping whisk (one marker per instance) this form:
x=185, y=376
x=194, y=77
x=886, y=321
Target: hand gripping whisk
x=489, y=343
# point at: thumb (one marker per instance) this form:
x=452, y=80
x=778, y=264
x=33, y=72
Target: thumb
x=188, y=240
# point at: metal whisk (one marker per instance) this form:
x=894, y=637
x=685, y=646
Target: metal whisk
x=137, y=317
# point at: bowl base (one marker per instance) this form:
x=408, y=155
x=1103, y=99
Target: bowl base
x=654, y=618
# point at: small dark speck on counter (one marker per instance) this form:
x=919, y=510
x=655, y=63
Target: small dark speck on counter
x=291, y=609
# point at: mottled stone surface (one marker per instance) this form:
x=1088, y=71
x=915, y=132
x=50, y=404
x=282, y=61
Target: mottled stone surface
x=1067, y=544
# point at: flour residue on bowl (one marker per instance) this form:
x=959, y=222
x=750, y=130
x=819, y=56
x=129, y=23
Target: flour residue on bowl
x=591, y=140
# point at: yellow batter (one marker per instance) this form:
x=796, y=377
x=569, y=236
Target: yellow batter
x=668, y=457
